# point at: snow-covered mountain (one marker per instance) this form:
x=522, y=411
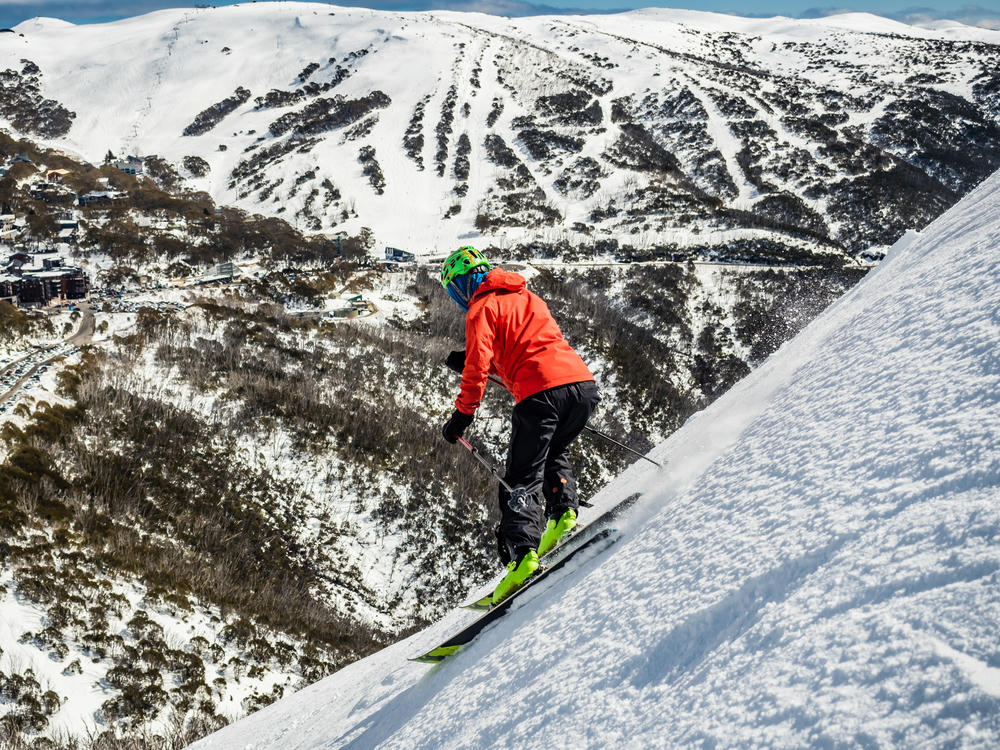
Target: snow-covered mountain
x=234, y=491
x=817, y=565
x=657, y=132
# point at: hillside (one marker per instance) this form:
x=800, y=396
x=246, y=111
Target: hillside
x=227, y=485
x=648, y=134
x=229, y=491
x=817, y=564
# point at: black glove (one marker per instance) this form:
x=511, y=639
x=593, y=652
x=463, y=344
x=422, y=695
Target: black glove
x=455, y=426
x=456, y=361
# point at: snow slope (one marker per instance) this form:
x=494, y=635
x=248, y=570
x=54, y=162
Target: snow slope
x=816, y=566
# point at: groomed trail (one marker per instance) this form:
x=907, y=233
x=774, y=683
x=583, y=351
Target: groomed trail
x=816, y=566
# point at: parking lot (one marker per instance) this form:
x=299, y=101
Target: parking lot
x=24, y=374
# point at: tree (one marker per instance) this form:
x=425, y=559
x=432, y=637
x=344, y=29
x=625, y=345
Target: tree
x=42, y=225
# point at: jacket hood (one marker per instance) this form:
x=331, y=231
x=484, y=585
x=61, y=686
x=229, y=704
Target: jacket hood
x=499, y=279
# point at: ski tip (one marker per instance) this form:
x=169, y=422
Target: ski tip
x=481, y=605
x=437, y=655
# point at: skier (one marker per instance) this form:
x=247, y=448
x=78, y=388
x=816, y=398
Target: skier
x=510, y=332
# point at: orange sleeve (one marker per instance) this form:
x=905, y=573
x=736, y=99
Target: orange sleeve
x=480, y=330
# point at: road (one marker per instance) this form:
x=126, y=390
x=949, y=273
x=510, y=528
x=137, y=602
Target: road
x=80, y=337
x=85, y=333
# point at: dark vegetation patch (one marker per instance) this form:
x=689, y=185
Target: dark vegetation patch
x=496, y=109
x=789, y=210
x=324, y=115
x=580, y=179
x=986, y=92
x=362, y=129
x=207, y=119
x=17, y=324
x=276, y=98
x=498, y=152
x=371, y=169
x=882, y=205
x=773, y=305
x=197, y=166
x=462, y=150
x=943, y=135
x=250, y=168
x=22, y=103
x=444, y=130
x=638, y=150
x=162, y=172
x=518, y=199
x=570, y=108
x=543, y=144
x=307, y=71
x=413, y=138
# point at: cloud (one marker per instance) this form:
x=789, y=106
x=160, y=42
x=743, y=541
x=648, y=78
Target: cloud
x=970, y=15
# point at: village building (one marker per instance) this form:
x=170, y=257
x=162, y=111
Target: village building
x=50, y=192
x=100, y=197
x=395, y=255
x=35, y=280
x=7, y=293
x=68, y=226
x=130, y=165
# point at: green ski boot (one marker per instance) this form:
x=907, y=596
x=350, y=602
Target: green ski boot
x=517, y=573
x=554, y=530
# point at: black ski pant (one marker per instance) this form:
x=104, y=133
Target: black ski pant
x=543, y=427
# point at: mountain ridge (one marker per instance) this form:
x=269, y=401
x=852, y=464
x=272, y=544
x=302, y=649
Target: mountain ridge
x=666, y=139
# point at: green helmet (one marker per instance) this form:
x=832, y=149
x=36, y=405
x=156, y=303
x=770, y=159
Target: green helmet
x=462, y=261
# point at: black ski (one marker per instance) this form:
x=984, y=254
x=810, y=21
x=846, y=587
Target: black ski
x=603, y=538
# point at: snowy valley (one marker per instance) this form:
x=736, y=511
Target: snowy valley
x=221, y=476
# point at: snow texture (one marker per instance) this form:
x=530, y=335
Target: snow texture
x=817, y=565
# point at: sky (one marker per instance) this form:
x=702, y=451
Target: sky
x=984, y=13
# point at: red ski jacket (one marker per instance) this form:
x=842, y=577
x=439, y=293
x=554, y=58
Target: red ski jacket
x=509, y=331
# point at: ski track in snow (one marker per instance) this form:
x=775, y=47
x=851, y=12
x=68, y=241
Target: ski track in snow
x=817, y=565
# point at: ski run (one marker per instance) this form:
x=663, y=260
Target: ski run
x=816, y=565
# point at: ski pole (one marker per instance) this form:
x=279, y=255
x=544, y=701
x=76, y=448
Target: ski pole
x=485, y=462
x=622, y=445
x=610, y=439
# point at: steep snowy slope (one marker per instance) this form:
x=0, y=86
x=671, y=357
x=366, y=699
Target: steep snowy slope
x=663, y=133
x=816, y=566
